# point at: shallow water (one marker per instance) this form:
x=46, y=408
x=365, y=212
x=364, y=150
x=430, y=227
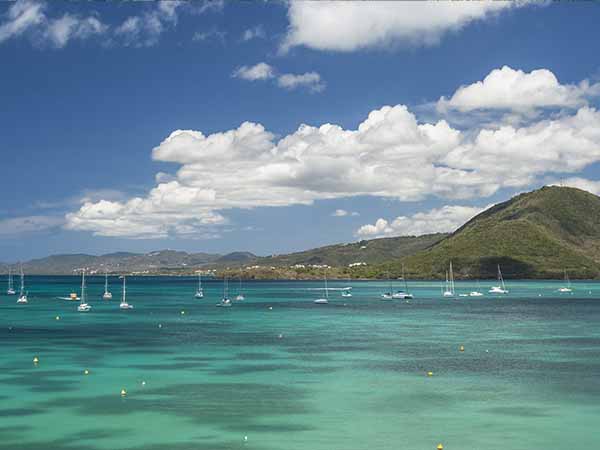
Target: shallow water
x=349, y=375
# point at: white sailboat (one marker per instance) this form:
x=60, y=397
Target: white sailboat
x=11, y=289
x=124, y=304
x=83, y=305
x=22, y=294
x=199, y=292
x=225, y=301
x=403, y=295
x=449, y=288
x=240, y=296
x=390, y=294
x=107, y=294
x=325, y=300
x=566, y=288
x=346, y=292
x=501, y=288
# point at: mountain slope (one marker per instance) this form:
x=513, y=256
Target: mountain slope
x=537, y=234
x=374, y=251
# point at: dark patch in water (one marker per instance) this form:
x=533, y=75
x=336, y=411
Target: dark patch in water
x=19, y=412
x=518, y=411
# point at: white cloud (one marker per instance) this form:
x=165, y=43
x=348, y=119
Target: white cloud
x=28, y=16
x=311, y=80
x=343, y=213
x=200, y=36
x=29, y=224
x=592, y=186
x=511, y=89
x=349, y=26
x=263, y=71
x=390, y=154
x=21, y=16
x=260, y=71
x=442, y=220
x=257, y=32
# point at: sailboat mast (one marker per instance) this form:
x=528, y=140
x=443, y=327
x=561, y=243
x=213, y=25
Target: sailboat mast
x=451, y=278
x=83, y=286
x=105, y=282
x=124, y=289
x=326, y=290
x=22, y=281
x=404, y=278
x=10, y=281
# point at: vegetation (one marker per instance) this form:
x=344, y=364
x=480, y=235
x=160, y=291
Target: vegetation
x=534, y=235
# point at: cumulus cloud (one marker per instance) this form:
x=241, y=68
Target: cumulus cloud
x=257, y=32
x=29, y=16
x=212, y=34
x=263, y=71
x=260, y=71
x=29, y=224
x=390, y=154
x=350, y=26
x=511, y=89
x=344, y=213
x=311, y=80
x=442, y=220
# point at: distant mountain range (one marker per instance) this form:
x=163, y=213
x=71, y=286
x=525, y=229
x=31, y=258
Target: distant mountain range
x=533, y=235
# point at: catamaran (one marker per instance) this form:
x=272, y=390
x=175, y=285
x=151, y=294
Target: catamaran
x=83, y=305
x=566, y=288
x=240, y=296
x=107, y=294
x=449, y=286
x=501, y=289
x=225, y=301
x=11, y=289
x=325, y=300
x=199, y=292
x=22, y=294
x=124, y=304
x=403, y=294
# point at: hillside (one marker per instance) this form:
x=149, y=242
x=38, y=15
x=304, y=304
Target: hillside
x=374, y=251
x=533, y=235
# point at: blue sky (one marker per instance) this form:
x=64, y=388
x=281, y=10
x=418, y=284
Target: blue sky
x=90, y=89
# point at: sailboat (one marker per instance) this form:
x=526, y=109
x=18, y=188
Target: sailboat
x=346, y=292
x=22, y=294
x=11, y=289
x=449, y=289
x=199, y=292
x=83, y=305
x=390, y=294
x=501, y=289
x=240, y=296
x=324, y=301
x=566, y=288
x=107, y=294
x=403, y=294
x=124, y=304
x=476, y=293
x=225, y=301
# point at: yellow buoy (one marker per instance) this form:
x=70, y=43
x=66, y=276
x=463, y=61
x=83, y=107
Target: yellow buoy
x=429, y=374
x=86, y=372
x=123, y=392
x=440, y=447
x=35, y=360
x=462, y=348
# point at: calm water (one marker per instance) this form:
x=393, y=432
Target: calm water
x=350, y=375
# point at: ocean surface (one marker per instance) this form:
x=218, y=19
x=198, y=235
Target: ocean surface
x=279, y=372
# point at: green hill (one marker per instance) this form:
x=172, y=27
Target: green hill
x=533, y=235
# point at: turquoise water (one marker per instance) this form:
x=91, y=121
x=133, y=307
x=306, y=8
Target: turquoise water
x=349, y=375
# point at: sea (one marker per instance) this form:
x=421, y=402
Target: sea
x=519, y=371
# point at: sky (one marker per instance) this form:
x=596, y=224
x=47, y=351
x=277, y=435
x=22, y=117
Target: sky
x=281, y=126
